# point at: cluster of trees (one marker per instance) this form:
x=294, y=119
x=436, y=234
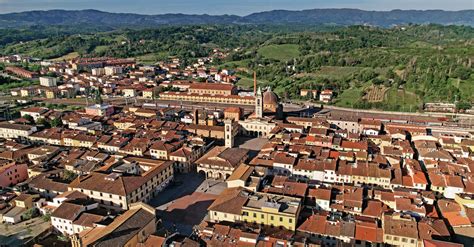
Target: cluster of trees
x=47, y=123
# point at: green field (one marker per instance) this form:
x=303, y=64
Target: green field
x=246, y=82
x=101, y=48
x=66, y=57
x=349, y=97
x=152, y=58
x=404, y=101
x=235, y=64
x=280, y=52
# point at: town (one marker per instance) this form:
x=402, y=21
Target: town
x=105, y=151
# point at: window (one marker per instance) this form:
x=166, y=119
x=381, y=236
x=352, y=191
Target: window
x=290, y=220
x=281, y=219
x=255, y=215
x=271, y=217
x=262, y=216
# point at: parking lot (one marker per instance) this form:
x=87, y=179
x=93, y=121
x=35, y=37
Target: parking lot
x=184, y=203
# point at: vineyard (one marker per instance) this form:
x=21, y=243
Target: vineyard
x=375, y=93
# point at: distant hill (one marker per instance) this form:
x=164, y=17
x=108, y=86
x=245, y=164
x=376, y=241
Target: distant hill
x=307, y=17
x=357, y=17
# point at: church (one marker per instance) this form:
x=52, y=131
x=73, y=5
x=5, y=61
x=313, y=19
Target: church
x=261, y=122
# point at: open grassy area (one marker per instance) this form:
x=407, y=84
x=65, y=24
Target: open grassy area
x=280, y=52
x=246, y=82
x=235, y=64
x=68, y=56
x=152, y=58
x=406, y=101
x=101, y=48
x=349, y=97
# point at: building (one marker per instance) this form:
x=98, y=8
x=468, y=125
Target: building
x=70, y=216
x=313, y=94
x=100, y=110
x=259, y=104
x=235, y=113
x=326, y=96
x=400, y=230
x=231, y=130
x=239, y=205
x=213, y=89
x=23, y=203
x=129, y=229
x=112, y=70
x=119, y=190
x=21, y=72
x=48, y=81
x=271, y=103
x=256, y=127
x=209, y=98
x=13, y=131
x=35, y=112
x=12, y=174
x=220, y=162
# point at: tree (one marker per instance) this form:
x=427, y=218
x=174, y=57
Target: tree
x=56, y=122
x=42, y=121
x=462, y=105
x=69, y=175
x=98, y=97
x=30, y=119
x=30, y=213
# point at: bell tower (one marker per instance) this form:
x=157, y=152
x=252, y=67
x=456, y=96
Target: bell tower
x=229, y=133
x=259, y=104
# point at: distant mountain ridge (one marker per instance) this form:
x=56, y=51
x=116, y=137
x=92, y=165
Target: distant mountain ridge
x=307, y=17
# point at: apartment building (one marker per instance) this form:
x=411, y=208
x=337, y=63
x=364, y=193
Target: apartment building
x=239, y=205
x=13, y=131
x=119, y=190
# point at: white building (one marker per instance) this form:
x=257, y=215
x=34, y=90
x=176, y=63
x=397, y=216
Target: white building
x=48, y=81
x=11, y=131
x=110, y=70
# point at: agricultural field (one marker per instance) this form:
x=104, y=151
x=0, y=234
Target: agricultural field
x=375, y=93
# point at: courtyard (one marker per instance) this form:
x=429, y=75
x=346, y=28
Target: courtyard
x=184, y=203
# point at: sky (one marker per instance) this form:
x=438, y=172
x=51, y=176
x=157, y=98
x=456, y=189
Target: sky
x=217, y=7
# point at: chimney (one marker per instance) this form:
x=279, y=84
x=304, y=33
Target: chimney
x=255, y=83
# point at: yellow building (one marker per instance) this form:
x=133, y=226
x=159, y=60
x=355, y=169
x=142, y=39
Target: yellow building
x=25, y=201
x=50, y=94
x=400, y=230
x=148, y=93
x=272, y=210
x=210, y=98
x=238, y=204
